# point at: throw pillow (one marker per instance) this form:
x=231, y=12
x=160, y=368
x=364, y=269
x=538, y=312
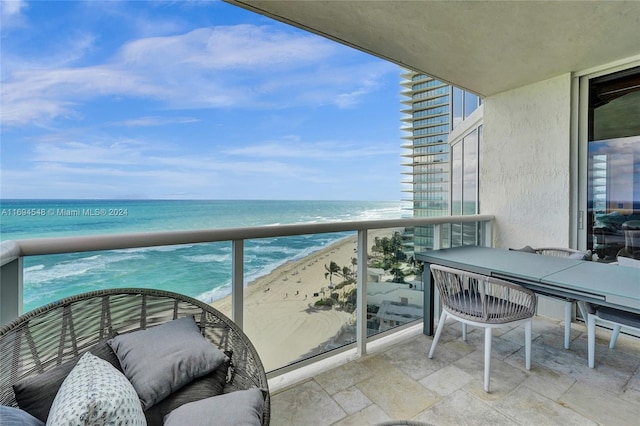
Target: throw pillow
x=95, y=393
x=161, y=359
x=12, y=416
x=35, y=394
x=210, y=385
x=236, y=408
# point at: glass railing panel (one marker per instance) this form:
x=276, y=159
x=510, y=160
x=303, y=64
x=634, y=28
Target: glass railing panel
x=394, y=284
x=202, y=271
x=300, y=296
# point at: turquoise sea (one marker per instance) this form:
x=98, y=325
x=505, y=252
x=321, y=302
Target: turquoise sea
x=199, y=270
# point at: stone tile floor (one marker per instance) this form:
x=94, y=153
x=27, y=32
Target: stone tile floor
x=400, y=382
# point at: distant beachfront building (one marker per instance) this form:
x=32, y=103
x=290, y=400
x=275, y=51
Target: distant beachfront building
x=441, y=175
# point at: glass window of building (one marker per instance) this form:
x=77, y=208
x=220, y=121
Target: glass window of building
x=457, y=107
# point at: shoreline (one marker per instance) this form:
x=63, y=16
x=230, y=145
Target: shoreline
x=279, y=310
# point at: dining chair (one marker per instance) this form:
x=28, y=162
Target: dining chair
x=483, y=301
x=610, y=316
x=568, y=303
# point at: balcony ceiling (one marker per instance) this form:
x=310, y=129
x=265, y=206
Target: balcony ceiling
x=483, y=46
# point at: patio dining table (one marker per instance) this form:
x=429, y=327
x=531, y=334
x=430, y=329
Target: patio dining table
x=584, y=281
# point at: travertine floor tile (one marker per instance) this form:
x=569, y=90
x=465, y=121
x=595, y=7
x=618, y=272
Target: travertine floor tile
x=307, y=404
x=528, y=407
x=460, y=408
x=600, y=405
x=352, y=400
x=398, y=395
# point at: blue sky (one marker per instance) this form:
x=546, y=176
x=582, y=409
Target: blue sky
x=189, y=100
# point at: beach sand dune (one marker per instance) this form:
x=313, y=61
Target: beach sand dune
x=279, y=313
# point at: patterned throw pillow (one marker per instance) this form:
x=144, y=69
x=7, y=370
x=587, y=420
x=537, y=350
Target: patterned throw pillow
x=96, y=393
x=35, y=394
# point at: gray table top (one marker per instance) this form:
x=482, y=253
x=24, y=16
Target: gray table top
x=591, y=281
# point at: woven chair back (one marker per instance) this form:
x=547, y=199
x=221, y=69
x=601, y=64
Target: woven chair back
x=481, y=298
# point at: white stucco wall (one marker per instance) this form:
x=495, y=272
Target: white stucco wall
x=525, y=173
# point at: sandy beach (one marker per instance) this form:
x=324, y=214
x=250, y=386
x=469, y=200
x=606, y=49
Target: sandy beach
x=279, y=313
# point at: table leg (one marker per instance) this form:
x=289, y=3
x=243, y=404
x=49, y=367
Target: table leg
x=428, y=310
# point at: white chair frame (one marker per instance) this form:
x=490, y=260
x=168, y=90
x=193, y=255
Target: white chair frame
x=568, y=303
x=516, y=307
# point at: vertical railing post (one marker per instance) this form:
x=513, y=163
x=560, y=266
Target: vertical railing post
x=437, y=236
x=237, y=282
x=487, y=233
x=361, y=303
x=11, y=291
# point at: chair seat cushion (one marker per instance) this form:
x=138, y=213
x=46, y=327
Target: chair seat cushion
x=625, y=318
x=494, y=309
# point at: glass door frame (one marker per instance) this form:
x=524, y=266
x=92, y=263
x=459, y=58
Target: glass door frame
x=579, y=145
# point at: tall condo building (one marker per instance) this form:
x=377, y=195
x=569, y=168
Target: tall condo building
x=441, y=173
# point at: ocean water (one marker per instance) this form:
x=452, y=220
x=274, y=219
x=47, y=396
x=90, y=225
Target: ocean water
x=198, y=270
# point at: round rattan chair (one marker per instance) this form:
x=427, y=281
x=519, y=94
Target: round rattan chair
x=48, y=336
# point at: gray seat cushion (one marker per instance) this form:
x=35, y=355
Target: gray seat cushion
x=625, y=318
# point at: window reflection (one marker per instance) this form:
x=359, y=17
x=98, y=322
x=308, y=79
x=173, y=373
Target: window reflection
x=613, y=211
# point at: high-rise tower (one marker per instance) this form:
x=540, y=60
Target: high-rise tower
x=433, y=110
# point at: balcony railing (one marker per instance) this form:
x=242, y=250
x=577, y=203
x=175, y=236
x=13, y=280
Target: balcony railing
x=13, y=252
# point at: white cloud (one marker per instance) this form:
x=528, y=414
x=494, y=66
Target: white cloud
x=156, y=121
x=10, y=12
x=243, y=65
x=330, y=150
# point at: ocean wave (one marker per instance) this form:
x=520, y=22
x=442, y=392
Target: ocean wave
x=217, y=293
x=208, y=258
x=34, y=268
x=156, y=248
x=38, y=275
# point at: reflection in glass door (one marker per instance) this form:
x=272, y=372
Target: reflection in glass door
x=613, y=211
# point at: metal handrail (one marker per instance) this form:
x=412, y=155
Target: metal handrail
x=10, y=250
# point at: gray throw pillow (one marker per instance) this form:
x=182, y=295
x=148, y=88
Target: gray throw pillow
x=236, y=408
x=206, y=386
x=35, y=394
x=11, y=416
x=162, y=359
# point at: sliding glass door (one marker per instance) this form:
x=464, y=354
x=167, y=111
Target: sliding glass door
x=613, y=165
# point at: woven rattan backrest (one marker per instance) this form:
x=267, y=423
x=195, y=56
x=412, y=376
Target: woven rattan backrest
x=557, y=251
x=55, y=333
x=481, y=298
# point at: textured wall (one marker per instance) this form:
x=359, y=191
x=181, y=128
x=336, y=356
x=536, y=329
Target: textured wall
x=524, y=180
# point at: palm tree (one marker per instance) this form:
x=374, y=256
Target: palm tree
x=333, y=268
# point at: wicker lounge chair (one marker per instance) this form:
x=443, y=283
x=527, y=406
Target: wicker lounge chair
x=486, y=302
x=48, y=336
